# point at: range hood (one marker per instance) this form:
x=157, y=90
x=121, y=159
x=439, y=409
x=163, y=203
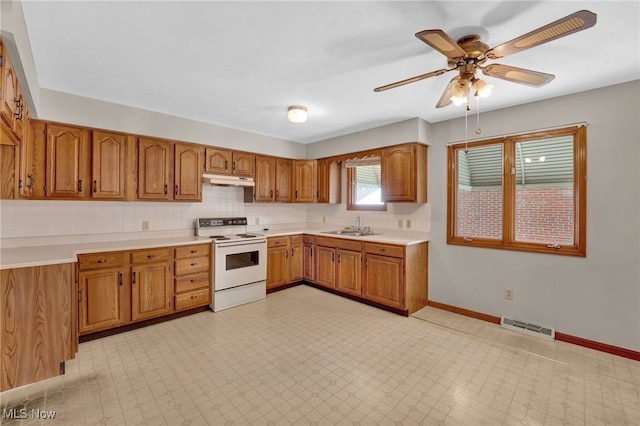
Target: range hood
x=223, y=180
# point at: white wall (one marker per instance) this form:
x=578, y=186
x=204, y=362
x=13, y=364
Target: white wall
x=71, y=109
x=597, y=297
x=412, y=130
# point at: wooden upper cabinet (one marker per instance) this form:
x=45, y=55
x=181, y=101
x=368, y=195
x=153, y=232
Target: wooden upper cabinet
x=13, y=109
x=227, y=162
x=188, y=172
x=304, y=181
x=218, y=161
x=284, y=180
x=108, y=169
x=243, y=164
x=404, y=173
x=329, y=182
x=265, y=178
x=67, y=160
x=155, y=167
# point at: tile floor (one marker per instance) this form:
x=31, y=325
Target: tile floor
x=306, y=357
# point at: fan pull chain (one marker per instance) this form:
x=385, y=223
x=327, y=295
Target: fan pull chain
x=478, y=129
x=466, y=129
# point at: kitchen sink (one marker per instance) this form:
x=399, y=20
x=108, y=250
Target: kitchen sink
x=348, y=233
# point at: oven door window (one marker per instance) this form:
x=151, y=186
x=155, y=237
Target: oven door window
x=242, y=260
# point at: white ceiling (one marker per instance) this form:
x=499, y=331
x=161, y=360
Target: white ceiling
x=240, y=64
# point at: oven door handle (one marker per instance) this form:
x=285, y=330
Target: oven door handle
x=240, y=243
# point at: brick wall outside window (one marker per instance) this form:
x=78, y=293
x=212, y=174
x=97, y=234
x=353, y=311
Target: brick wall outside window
x=543, y=215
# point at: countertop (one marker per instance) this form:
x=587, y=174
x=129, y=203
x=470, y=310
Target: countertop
x=22, y=257
x=389, y=236
x=52, y=254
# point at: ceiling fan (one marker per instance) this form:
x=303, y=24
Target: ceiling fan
x=470, y=53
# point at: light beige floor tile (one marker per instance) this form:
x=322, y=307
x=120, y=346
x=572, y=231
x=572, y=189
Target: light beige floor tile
x=306, y=357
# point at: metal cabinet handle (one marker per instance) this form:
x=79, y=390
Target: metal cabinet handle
x=166, y=189
x=339, y=257
x=30, y=185
x=277, y=193
x=296, y=193
x=151, y=256
x=102, y=260
x=95, y=186
x=292, y=251
x=226, y=164
x=80, y=185
x=194, y=280
x=366, y=263
x=194, y=263
x=134, y=278
x=195, y=296
x=233, y=165
x=176, y=189
x=120, y=278
x=333, y=257
x=311, y=252
x=193, y=251
x=271, y=194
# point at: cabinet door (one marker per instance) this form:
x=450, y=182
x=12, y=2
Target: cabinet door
x=38, y=319
x=305, y=181
x=329, y=182
x=296, y=254
x=108, y=165
x=150, y=291
x=103, y=300
x=277, y=262
x=154, y=169
x=243, y=164
x=308, y=263
x=284, y=182
x=218, y=161
x=188, y=172
x=9, y=105
x=265, y=178
x=326, y=272
x=33, y=161
x=404, y=173
x=349, y=272
x=67, y=162
x=384, y=281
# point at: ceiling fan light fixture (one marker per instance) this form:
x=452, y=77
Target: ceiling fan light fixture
x=481, y=88
x=460, y=93
x=297, y=114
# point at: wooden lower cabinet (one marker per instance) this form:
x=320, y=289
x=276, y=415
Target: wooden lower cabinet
x=284, y=260
x=192, y=271
x=388, y=275
x=38, y=323
x=124, y=287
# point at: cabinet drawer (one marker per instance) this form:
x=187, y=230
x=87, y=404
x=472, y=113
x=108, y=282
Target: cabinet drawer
x=150, y=255
x=277, y=242
x=192, y=299
x=190, y=283
x=384, y=249
x=296, y=239
x=191, y=266
x=342, y=243
x=196, y=250
x=114, y=259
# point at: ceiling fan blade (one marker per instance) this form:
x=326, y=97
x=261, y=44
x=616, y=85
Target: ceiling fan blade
x=411, y=80
x=575, y=22
x=441, y=41
x=445, y=99
x=518, y=75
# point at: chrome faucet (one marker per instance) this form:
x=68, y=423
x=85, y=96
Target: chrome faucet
x=358, y=224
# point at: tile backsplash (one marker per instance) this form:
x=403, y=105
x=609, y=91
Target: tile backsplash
x=35, y=218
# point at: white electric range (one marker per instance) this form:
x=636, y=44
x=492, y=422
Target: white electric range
x=239, y=261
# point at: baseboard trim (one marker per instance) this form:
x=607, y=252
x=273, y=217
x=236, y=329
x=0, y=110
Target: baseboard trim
x=465, y=312
x=567, y=338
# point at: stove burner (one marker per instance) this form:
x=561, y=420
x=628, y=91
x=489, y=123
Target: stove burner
x=246, y=235
x=219, y=237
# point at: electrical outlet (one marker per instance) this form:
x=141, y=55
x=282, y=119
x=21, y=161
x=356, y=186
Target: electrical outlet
x=508, y=294
x=146, y=225
x=257, y=221
x=408, y=223
x=324, y=219
x=399, y=223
